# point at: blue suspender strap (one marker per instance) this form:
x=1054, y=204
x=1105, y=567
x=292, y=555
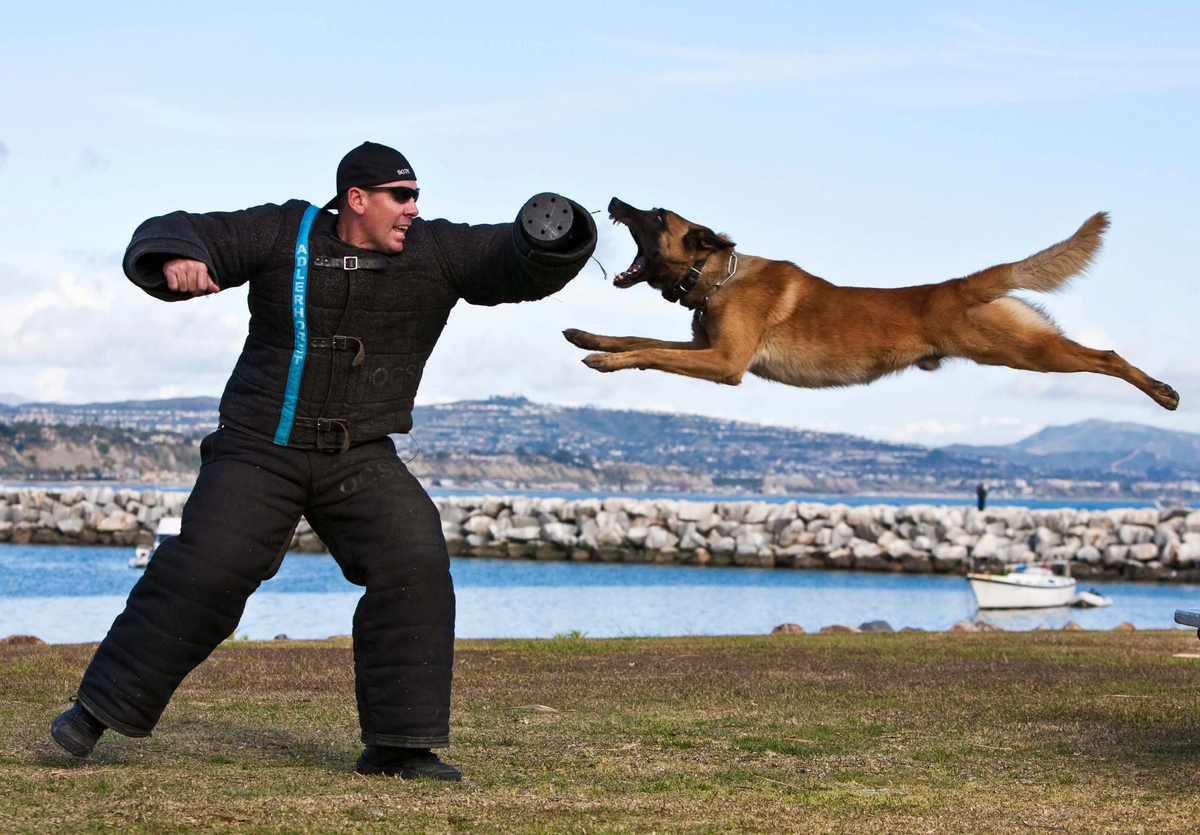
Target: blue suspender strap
x=300, y=325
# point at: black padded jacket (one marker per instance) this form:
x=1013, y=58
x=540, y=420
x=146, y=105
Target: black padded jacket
x=370, y=331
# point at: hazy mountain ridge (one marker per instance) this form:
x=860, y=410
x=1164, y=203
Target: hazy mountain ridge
x=1102, y=447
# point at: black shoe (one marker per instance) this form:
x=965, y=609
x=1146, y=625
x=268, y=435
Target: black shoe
x=406, y=763
x=76, y=730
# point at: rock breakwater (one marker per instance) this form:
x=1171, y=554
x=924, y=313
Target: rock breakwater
x=1131, y=543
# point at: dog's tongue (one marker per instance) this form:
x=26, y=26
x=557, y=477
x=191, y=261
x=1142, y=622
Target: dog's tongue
x=630, y=276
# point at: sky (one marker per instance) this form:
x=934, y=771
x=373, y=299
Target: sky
x=874, y=144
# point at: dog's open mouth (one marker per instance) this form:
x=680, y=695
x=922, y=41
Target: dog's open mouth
x=633, y=274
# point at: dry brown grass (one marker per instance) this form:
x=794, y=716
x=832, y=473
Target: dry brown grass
x=1079, y=732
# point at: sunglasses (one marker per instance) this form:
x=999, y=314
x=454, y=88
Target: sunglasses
x=401, y=194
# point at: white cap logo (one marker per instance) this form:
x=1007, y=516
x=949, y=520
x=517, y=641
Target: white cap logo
x=403, y=171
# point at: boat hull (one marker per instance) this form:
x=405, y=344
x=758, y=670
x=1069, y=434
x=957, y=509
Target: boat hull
x=1004, y=592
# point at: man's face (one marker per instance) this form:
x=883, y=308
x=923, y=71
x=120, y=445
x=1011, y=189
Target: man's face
x=384, y=222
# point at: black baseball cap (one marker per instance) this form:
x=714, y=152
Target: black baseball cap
x=369, y=165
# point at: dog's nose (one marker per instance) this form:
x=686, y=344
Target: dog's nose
x=615, y=204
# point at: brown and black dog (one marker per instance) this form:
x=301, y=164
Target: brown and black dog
x=778, y=322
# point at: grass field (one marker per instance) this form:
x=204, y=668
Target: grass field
x=1037, y=732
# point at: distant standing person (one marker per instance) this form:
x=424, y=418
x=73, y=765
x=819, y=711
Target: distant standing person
x=981, y=494
x=345, y=309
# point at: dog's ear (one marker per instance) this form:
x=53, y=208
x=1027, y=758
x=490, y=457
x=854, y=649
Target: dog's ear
x=705, y=238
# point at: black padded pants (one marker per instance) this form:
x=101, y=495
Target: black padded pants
x=384, y=532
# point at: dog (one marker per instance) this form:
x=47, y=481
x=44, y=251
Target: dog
x=779, y=322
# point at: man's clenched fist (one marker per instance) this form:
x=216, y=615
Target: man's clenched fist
x=187, y=276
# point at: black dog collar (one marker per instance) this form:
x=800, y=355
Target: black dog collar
x=687, y=283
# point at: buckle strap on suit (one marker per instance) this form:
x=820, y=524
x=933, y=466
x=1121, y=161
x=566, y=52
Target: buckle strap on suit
x=327, y=425
x=341, y=343
x=350, y=262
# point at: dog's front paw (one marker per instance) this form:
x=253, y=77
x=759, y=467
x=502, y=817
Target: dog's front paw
x=601, y=362
x=581, y=339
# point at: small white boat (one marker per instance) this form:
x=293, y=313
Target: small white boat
x=1091, y=599
x=1025, y=587
x=167, y=526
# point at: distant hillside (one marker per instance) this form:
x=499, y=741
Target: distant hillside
x=513, y=442
x=182, y=415
x=33, y=451
x=1101, y=447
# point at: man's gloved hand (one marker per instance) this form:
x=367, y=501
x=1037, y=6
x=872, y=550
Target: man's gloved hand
x=187, y=276
x=547, y=221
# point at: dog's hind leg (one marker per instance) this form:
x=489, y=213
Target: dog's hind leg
x=1010, y=332
x=612, y=344
x=1065, y=355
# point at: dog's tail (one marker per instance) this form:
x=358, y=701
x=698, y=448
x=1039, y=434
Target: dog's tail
x=1045, y=272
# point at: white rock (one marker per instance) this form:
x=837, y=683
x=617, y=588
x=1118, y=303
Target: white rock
x=560, y=533
x=611, y=535
x=73, y=527
x=757, y=513
x=695, y=511
x=1135, y=534
x=986, y=547
x=842, y=534
x=867, y=549
x=587, y=507
x=950, y=553
x=450, y=513
x=813, y=510
x=1165, y=535
x=1143, y=552
x=1145, y=516
x=791, y=534
x=1115, y=554
x=1188, y=554
x=722, y=544
x=637, y=534
x=479, y=525
x=660, y=539
x=118, y=520
x=608, y=518
x=492, y=505
x=525, y=533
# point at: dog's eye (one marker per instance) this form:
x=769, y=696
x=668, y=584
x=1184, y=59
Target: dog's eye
x=660, y=216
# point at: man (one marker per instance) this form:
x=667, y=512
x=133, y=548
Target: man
x=344, y=312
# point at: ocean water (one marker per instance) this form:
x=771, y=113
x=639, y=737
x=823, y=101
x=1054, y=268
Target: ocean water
x=68, y=594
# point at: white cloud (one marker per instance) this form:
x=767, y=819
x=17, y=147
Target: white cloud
x=90, y=335
x=50, y=384
x=921, y=431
